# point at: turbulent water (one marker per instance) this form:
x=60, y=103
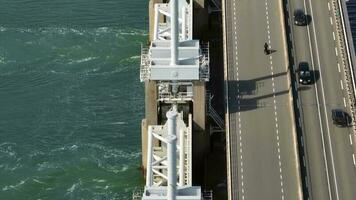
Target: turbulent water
x=70, y=98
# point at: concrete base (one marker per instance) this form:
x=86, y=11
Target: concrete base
x=151, y=117
x=199, y=115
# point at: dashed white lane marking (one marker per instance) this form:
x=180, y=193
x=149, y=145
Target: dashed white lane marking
x=344, y=101
x=329, y=6
x=353, y=158
x=336, y=51
x=338, y=67
x=350, y=137
x=239, y=114
x=331, y=20
x=334, y=36
x=275, y=105
x=342, y=86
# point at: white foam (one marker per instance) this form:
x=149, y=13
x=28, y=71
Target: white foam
x=82, y=60
x=2, y=60
x=14, y=187
x=74, y=187
x=38, y=181
x=118, y=123
x=2, y=29
x=135, y=57
x=99, y=180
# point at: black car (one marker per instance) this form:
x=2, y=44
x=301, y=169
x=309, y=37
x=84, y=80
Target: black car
x=299, y=17
x=339, y=117
x=304, y=73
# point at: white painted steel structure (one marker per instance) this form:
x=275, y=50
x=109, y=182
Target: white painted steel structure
x=173, y=60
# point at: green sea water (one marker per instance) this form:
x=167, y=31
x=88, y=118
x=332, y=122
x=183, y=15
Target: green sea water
x=70, y=98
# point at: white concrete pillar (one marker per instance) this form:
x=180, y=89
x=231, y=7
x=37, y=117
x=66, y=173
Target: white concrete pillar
x=156, y=22
x=149, y=172
x=172, y=155
x=174, y=31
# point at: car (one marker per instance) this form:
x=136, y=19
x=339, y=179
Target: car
x=304, y=73
x=300, y=18
x=339, y=117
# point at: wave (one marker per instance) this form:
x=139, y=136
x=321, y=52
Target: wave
x=14, y=187
x=99, y=180
x=117, y=169
x=66, y=148
x=2, y=60
x=77, y=31
x=135, y=57
x=7, y=149
x=82, y=60
x=74, y=187
x=38, y=181
x=102, y=151
x=47, y=165
x=118, y=123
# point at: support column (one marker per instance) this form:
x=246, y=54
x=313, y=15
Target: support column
x=172, y=155
x=149, y=171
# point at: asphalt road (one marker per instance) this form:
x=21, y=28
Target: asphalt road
x=262, y=149
x=332, y=173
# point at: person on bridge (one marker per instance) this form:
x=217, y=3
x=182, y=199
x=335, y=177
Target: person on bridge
x=266, y=48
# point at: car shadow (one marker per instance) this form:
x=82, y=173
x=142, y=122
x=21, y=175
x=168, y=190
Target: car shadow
x=308, y=20
x=349, y=120
x=303, y=88
x=315, y=76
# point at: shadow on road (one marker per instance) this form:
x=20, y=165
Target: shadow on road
x=309, y=19
x=239, y=92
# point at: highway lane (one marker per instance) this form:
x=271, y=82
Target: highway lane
x=263, y=157
x=325, y=140
x=310, y=114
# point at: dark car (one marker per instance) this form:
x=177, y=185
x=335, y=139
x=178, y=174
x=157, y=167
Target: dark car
x=304, y=73
x=339, y=117
x=299, y=17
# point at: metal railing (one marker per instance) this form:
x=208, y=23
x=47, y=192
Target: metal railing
x=145, y=63
x=181, y=96
x=213, y=114
x=137, y=194
x=204, y=61
x=208, y=195
x=188, y=154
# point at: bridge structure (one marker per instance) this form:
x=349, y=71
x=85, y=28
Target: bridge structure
x=281, y=142
x=173, y=63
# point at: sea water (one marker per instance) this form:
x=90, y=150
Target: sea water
x=70, y=98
